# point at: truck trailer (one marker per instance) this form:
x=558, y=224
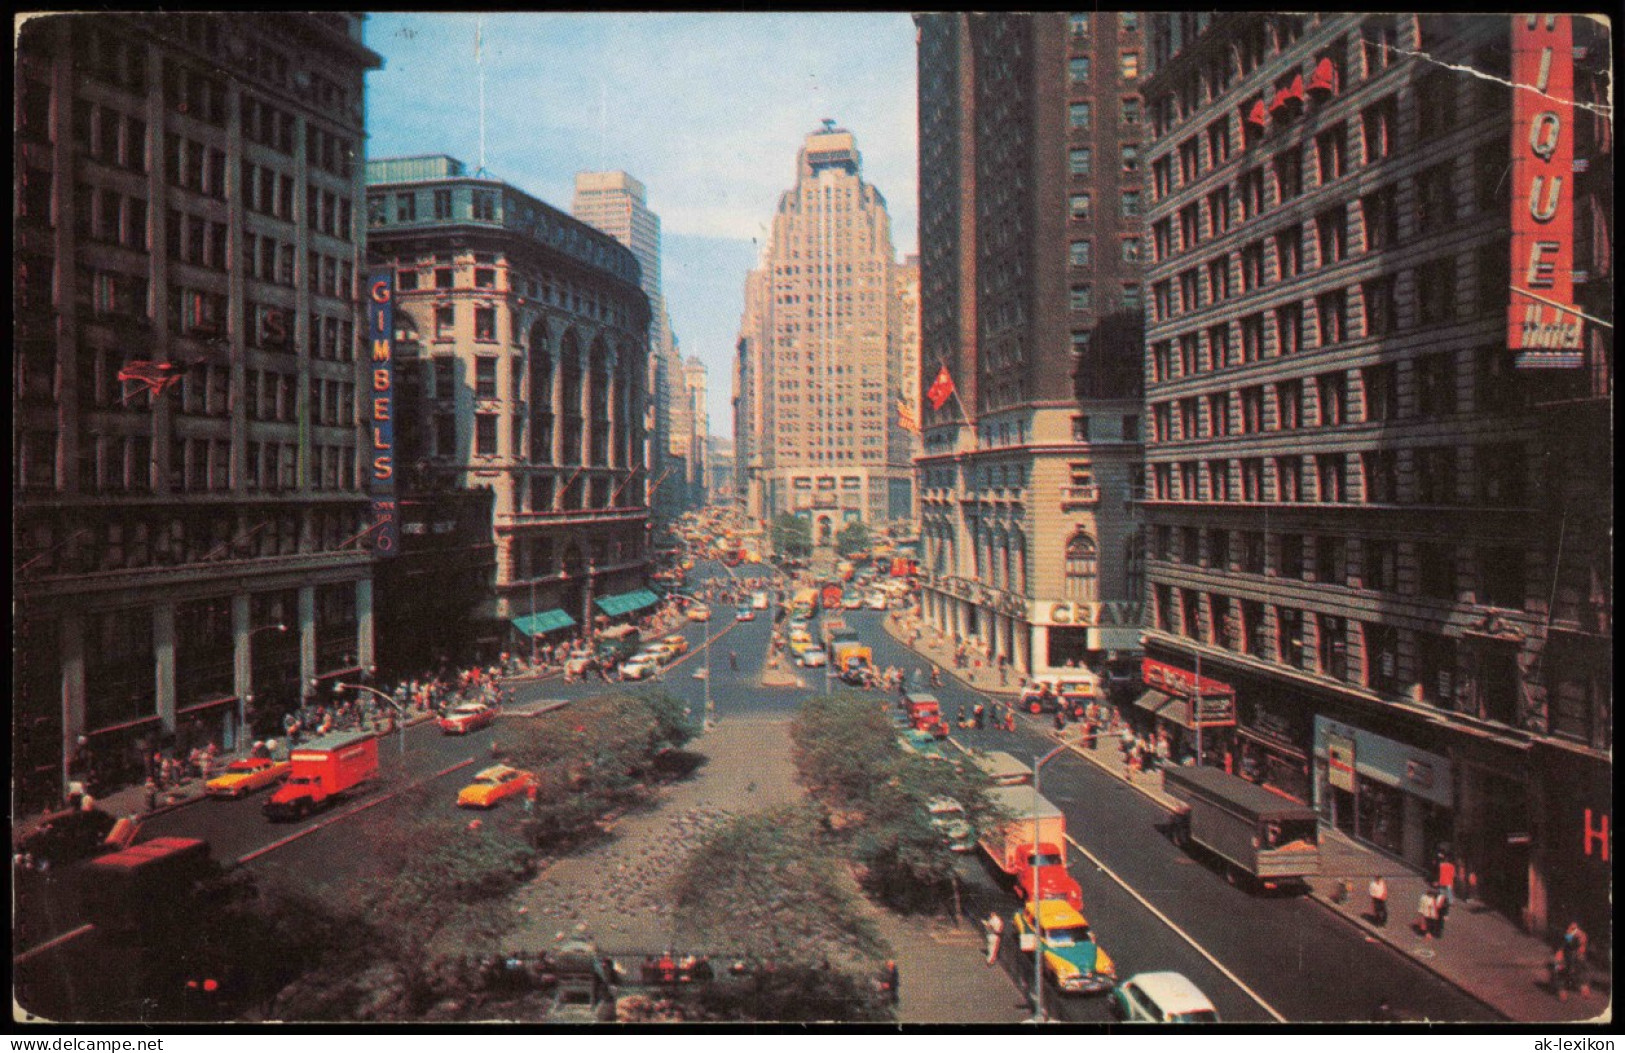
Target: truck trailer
x=1032, y=837
x=1257, y=834
x=324, y=770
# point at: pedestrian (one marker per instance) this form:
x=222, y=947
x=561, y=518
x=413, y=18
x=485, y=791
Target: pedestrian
x=152, y=795
x=1441, y=910
x=733, y=661
x=979, y=715
x=994, y=927
x=1570, y=963
x=1060, y=721
x=1427, y=913
x=893, y=982
x=1010, y=718
x=1379, y=900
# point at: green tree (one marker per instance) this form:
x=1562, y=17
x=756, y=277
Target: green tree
x=792, y=535
x=854, y=537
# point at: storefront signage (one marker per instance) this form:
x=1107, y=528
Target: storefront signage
x=1175, y=681
x=1541, y=318
x=1272, y=726
x=381, y=339
x=1340, y=762
x=1111, y=612
x=1071, y=614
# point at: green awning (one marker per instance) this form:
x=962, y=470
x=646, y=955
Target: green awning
x=626, y=602
x=543, y=622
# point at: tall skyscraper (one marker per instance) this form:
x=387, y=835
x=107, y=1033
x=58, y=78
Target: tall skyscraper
x=187, y=445
x=1030, y=240
x=617, y=204
x=819, y=331
x=1379, y=523
x=697, y=421
x=903, y=366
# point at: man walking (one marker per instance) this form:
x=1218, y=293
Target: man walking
x=994, y=926
x=1379, y=900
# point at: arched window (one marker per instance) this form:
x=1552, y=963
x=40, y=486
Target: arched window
x=1082, y=569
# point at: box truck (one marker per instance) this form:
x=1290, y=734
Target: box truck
x=324, y=770
x=1258, y=835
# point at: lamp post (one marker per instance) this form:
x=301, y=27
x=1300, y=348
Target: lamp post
x=1038, y=916
x=533, y=625
x=245, y=700
x=710, y=710
x=400, y=715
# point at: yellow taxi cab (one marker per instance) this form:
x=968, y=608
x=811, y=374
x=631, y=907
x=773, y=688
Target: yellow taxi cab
x=1072, y=959
x=244, y=776
x=699, y=612
x=493, y=785
x=678, y=644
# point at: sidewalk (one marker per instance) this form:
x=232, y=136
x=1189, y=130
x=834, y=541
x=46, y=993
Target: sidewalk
x=1481, y=951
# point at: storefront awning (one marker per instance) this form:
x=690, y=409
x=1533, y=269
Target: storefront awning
x=543, y=622
x=626, y=602
x=1165, y=707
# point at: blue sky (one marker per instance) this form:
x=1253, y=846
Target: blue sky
x=707, y=110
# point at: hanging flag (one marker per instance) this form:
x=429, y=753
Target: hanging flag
x=907, y=419
x=156, y=377
x=1258, y=115
x=941, y=389
x=1324, y=78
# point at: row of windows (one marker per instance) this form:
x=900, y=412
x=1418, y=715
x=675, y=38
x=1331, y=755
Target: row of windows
x=1321, y=643
x=1499, y=478
x=1128, y=67
x=1435, y=300
x=110, y=136
x=557, y=293
x=1367, y=563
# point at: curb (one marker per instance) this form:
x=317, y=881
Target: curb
x=1002, y=693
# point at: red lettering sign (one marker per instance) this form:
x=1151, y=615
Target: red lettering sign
x=1541, y=314
x=1597, y=834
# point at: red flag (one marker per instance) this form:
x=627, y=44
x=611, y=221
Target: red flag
x=941, y=389
x=907, y=419
x=1258, y=114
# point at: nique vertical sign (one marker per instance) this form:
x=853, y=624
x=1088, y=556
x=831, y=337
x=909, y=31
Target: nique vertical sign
x=381, y=455
x=1541, y=319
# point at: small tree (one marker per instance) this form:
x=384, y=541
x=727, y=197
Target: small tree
x=854, y=537
x=792, y=535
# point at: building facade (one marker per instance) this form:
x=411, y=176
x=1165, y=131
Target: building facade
x=524, y=334
x=693, y=445
x=617, y=204
x=1376, y=537
x=820, y=320
x=189, y=517
x=903, y=364
x=1031, y=186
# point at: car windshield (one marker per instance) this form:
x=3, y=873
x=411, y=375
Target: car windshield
x=488, y=780
x=1196, y=1016
x=1045, y=859
x=243, y=765
x=1069, y=936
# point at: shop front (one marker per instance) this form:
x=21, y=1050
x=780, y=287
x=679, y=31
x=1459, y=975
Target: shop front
x=1270, y=749
x=1195, y=725
x=1385, y=793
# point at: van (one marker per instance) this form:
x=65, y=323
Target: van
x=1003, y=769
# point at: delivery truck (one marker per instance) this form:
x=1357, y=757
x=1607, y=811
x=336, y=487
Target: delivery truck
x=1259, y=836
x=324, y=770
x=851, y=659
x=1031, y=836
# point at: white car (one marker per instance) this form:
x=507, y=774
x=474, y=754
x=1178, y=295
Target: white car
x=640, y=666
x=1162, y=998
x=813, y=656
x=877, y=601
x=948, y=816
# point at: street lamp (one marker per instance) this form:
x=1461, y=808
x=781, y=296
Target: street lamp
x=247, y=699
x=400, y=714
x=1038, y=914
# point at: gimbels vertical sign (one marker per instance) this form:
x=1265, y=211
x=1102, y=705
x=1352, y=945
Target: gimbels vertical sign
x=381, y=388
x=1541, y=316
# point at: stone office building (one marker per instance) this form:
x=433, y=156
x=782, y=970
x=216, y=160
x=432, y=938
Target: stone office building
x=1378, y=529
x=1031, y=184
x=523, y=333
x=189, y=516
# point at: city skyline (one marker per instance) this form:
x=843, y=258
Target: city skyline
x=598, y=92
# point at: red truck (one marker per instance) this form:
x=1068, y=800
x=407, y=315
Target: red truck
x=1033, y=837
x=324, y=770
x=124, y=888
x=925, y=713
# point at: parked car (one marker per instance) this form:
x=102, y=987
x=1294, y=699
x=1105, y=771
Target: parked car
x=69, y=836
x=813, y=656
x=244, y=776
x=640, y=666
x=1072, y=959
x=699, y=612
x=1162, y=998
x=493, y=786
x=744, y=614
x=677, y=643
x=470, y=716
x=876, y=601
x=948, y=816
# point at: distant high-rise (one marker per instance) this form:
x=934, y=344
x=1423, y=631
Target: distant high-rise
x=817, y=332
x=616, y=203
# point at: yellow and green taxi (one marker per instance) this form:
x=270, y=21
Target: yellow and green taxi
x=1072, y=959
x=493, y=785
x=677, y=643
x=244, y=776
